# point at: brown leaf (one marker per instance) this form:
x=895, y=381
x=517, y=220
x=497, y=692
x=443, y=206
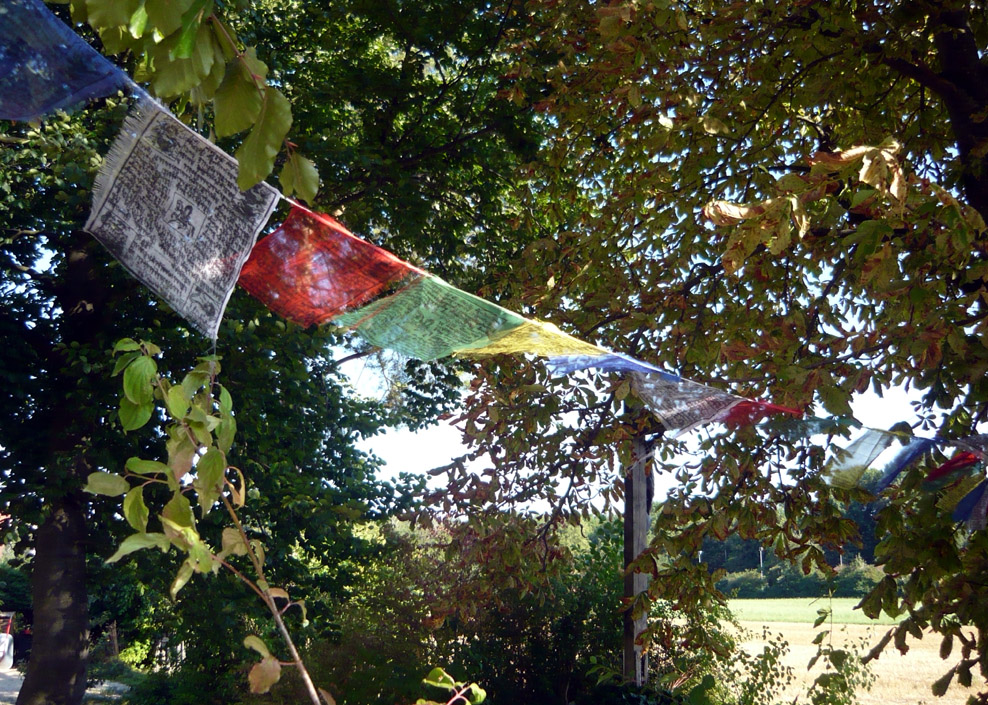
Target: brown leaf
x=264, y=675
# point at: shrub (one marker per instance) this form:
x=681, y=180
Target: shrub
x=856, y=579
x=746, y=584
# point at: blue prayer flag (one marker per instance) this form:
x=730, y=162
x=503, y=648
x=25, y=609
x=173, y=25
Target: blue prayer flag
x=45, y=66
x=612, y=362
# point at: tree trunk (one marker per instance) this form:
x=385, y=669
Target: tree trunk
x=56, y=673
x=637, y=501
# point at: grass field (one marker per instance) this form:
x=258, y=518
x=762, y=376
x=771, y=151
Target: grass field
x=900, y=679
x=800, y=609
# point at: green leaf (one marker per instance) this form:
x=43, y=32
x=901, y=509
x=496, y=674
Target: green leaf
x=226, y=401
x=264, y=675
x=106, y=483
x=225, y=434
x=299, y=176
x=209, y=477
x=255, y=643
x=238, y=100
x=166, y=15
x=137, y=380
x=110, y=13
x=258, y=69
x=191, y=22
x=179, y=511
x=136, y=542
x=138, y=22
x=135, y=511
x=193, y=382
x=174, y=76
x=145, y=467
x=256, y=155
x=440, y=679
x=126, y=345
x=475, y=694
x=184, y=575
x=177, y=402
x=123, y=361
x=133, y=416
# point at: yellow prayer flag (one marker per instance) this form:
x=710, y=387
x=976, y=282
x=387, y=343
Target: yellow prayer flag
x=536, y=337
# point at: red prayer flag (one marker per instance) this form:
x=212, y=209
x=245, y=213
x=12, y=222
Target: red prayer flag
x=311, y=269
x=751, y=411
x=964, y=459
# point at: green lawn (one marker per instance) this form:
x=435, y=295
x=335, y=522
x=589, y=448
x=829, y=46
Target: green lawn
x=800, y=610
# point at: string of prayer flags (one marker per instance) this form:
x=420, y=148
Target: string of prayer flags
x=166, y=204
x=429, y=319
x=45, y=66
x=534, y=337
x=311, y=269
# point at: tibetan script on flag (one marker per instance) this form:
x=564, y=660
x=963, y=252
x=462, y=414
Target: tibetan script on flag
x=682, y=405
x=166, y=204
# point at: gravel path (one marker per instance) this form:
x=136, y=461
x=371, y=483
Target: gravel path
x=10, y=685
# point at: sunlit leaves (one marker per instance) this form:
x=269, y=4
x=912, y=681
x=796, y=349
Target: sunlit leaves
x=190, y=51
x=135, y=510
x=136, y=542
x=238, y=100
x=264, y=674
x=107, y=483
x=299, y=176
x=256, y=155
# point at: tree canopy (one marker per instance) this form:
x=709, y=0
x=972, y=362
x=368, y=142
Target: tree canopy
x=783, y=199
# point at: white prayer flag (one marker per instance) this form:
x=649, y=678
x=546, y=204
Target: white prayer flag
x=166, y=204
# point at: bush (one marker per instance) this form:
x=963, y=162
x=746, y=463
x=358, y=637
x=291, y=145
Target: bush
x=747, y=584
x=787, y=580
x=856, y=579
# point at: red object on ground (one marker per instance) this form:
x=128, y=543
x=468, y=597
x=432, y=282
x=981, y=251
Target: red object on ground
x=311, y=269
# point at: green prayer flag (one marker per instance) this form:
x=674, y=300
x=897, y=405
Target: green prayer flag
x=430, y=319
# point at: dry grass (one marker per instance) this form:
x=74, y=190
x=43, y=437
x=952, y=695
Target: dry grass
x=900, y=679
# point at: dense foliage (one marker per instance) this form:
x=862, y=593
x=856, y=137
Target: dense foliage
x=787, y=200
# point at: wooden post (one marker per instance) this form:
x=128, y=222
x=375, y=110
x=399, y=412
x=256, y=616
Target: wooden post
x=637, y=499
